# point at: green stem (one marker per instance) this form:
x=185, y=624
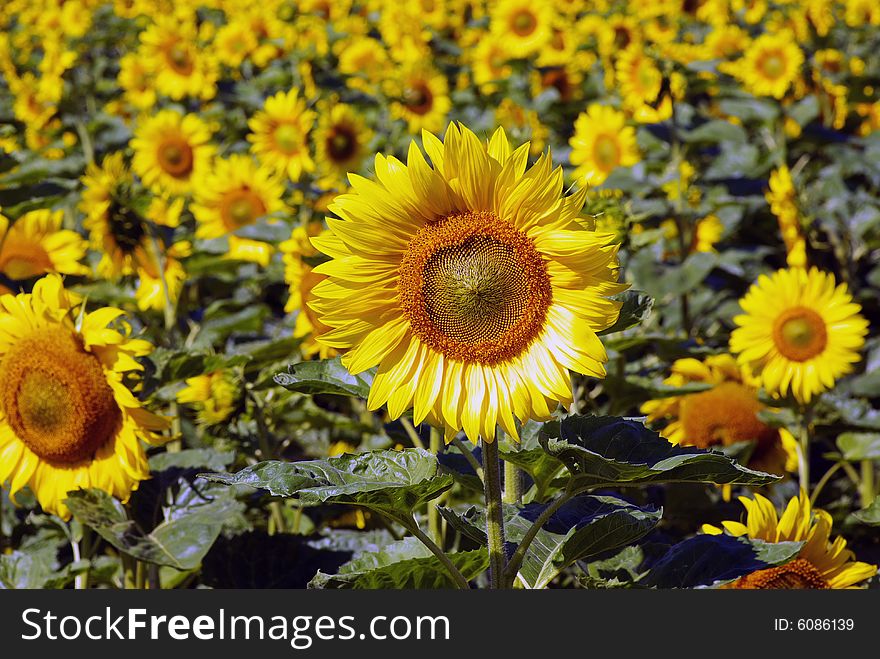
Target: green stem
x=433, y=513
x=867, y=486
x=513, y=483
x=411, y=432
x=494, y=514
x=411, y=526
x=804, y=454
x=824, y=481
x=472, y=461
x=140, y=578
x=518, y=555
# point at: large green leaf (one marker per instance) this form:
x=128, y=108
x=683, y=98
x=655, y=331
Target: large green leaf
x=406, y=564
x=393, y=482
x=181, y=542
x=869, y=516
x=711, y=560
x=604, y=451
x=327, y=376
x=581, y=529
x=859, y=445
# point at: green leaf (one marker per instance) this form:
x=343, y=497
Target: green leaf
x=712, y=560
x=604, y=451
x=407, y=564
x=870, y=515
x=20, y=570
x=392, y=482
x=180, y=542
x=716, y=130
x=531, y=458
x=635, y=309
x=859, y=445
x=196, y=458
x=583, y=528
x=327, y=376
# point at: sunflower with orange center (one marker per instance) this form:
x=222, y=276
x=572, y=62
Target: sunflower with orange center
x=641, y=85
x=800, y=332
x=819, y=565
x=770, y=65
x=279, y=134
x=35, y=244
x=169, y=47
x=301, y=278
x=601, y=143
x=67, y=417
x=171, y=148
x=726, y=413
x=341, y=141
x=420, y=97
x=525, y=26
x=469, y=284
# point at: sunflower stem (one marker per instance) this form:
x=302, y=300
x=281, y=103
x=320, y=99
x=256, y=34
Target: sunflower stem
x=494, y=514
x=804, y=452
x=867, y=483
x=513, y=485
x=412, y=526
x=472, y=461
x=433, y=513
x=411, y=432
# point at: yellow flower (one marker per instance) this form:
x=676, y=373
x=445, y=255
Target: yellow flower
x=115, y=229
x=36, y=244
x=234, y=42
x=421, y=97
x=799, y=332
x=341, y=141
x=820, y=564
x=641, y=86
x=771, y=65
x=601, y=143
x=136, y=79
x=234, y=194
x=861, y=12
x=471, y=276
x=783, y=203
x=301, y=279
x=67, y=418
x=170, y=49
x=489, y=61
x=279, y=134
x=723, y=415
x=523, y=124
x=170, y=149
x=213, y=394
x=523, y=25
x=155, y=290
x=363, y=60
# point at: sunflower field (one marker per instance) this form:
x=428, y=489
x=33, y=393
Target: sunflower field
x=382, y=294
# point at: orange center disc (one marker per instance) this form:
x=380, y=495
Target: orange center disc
x=800, y=334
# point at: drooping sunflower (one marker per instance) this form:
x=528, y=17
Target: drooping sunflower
x=420, y=96
x=67, y=418
x=301, y=279
x=820, y=564
x=170, y=48
x=170, y=149
x=470, y=284
x=116, y=230
x=601, y=143
x=214, y=395
x=770, y=65
x=525, y=26
x=279, y=134
x=35, y=244
x=722, y=415
x=235, y=193
x=800, y=332
x=341, y=140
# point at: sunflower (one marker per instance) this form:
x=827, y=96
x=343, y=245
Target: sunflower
x=67, y=419
x=279, y=134
x=36, y=244
x=820, y=564
x=601, y=143
x=234, y=42
x=235, y=193
x=641, y=86
x=116, y=230
x=421, y=97
x=169, y=47
x=770, y=65
x=525, y=26
x=341, y=140
x=154, y=290
x=722, y=415
x=782, y=198
x=170, y=149
x=799, y=332
x=471, y=276
x=213, y=394
x=301, y=279
x=136, y=80
x=525, y=124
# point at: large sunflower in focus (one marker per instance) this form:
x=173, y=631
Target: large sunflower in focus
x=799, y=333
x=820, y=564
x=169, y=149
x=67, y=418
x=723, y=415
x=470, y=285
